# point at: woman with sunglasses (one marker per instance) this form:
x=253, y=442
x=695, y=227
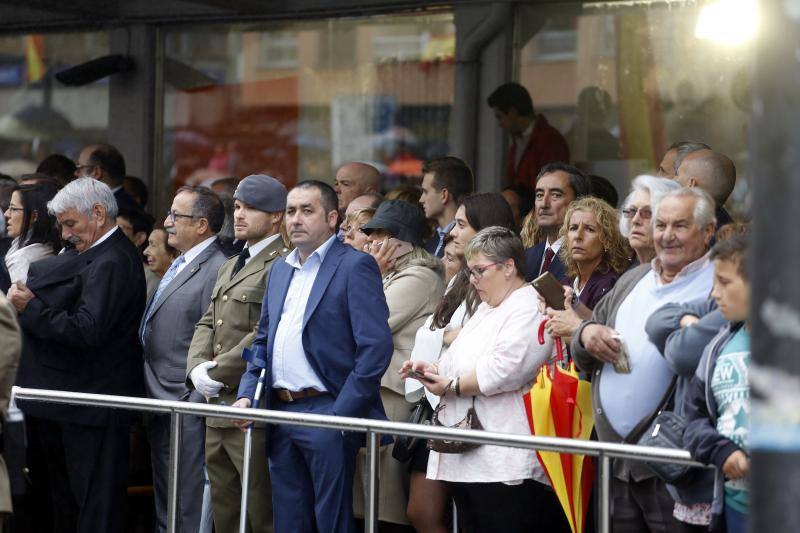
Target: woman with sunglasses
x=33, y=228
x=489, y=367
x=637, y=213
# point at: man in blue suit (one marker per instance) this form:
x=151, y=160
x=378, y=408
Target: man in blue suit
x=557, y=186
x=325, y=342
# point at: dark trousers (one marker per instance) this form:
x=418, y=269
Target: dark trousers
x=642, y=506
x=312, y=473
x=191, y=478
x=491, y=507
x=87, y=468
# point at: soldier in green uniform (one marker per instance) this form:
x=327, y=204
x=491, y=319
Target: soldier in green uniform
x=215, y=365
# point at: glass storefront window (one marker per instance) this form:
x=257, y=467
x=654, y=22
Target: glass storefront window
x=622, y=83
x=296, y=99
x=38, y=114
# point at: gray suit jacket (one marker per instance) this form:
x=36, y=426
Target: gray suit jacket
x=169, y=330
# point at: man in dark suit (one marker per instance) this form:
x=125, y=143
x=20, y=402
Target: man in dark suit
x=166, y=332
x=325, y=342
x=79, y=315
x=105, y=163
x=534, y=142
x=557, y=186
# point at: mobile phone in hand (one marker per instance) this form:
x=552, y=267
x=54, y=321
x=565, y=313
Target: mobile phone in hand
x=417, y=375
x=551, y=290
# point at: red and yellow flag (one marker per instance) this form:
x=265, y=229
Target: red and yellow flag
x=34, y=58
x=559, y=404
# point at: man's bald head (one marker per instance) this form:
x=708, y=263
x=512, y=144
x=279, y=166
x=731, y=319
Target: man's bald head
x=365, y=201
x=711, y=171
x=353, y=180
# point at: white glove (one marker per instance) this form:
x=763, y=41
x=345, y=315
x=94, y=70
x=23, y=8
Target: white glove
x=204, y=384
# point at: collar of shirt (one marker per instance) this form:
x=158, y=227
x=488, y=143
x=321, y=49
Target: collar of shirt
x=694, y=266
x=104, y=237
x=445, y=230
x=258, y=247
x=525, y=135
x=556, y=246
x=196, y=250
x=293, y=259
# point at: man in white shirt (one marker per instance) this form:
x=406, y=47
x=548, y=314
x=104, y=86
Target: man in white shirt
x=557, y=186
x=324, y=339
x=183, y=295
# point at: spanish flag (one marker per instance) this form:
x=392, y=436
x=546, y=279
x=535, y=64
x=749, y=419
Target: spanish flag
x=34, y=57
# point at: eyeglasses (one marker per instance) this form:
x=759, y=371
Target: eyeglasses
x=174, y=215
x=644, y=212
x=479, y=271
x=12, y=208
x=78, y=167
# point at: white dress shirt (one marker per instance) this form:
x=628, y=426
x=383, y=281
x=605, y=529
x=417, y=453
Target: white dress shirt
x=290, y=367
x=193, y=252
x=104, y=237
x=556, y=246
x=258, y=247
x=522, y=143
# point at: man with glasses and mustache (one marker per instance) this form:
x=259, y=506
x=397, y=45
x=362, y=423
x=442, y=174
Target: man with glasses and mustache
x=166, y=331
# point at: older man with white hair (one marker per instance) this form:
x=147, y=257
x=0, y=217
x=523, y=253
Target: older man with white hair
x=79, y=315
x=631, y=380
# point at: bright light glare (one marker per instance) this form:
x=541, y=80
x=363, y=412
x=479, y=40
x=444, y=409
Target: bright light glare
x=729, y=22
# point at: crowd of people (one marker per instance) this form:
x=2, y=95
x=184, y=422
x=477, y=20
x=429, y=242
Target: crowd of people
x=417, y=304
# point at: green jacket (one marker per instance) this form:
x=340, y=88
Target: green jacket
x=230, y=323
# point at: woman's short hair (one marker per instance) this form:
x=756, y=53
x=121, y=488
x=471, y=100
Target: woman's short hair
x=360, y=216
x=498, y=244
x=655, y=186
x=616, y=251
x=43, y=229
x=82, y=195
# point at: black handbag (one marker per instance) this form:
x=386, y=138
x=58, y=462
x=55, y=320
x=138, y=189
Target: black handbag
x=666, y=431
x=405, y=446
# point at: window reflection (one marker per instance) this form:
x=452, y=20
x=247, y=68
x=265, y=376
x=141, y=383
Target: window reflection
x=295, y=100
x=622, y=84
x=39, y=115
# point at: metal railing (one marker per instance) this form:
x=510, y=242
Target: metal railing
x=604, y=451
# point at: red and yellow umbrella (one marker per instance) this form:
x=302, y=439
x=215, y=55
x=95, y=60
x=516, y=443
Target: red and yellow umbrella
x=559, y=404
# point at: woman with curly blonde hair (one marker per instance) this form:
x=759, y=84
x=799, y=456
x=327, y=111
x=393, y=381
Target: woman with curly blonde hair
x=595, y=255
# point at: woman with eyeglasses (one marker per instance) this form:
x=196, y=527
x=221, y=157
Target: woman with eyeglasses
x=637, y=212
x=427, y=498
x=33, y=228
x=489, y=367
